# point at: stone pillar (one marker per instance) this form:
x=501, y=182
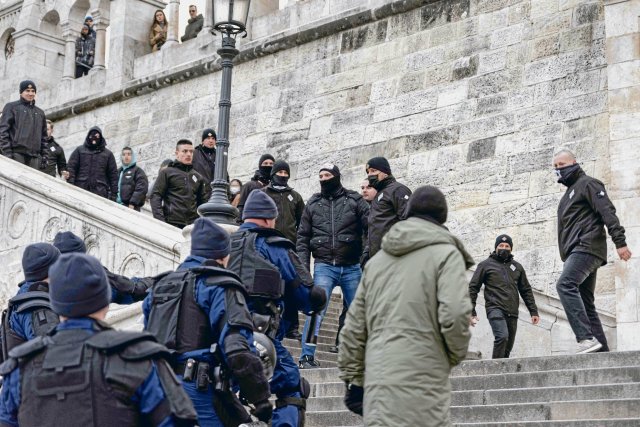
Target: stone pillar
x=174, y=18
x=208, y=18
x=622, y=19
x=69, y=36
x=100, y=24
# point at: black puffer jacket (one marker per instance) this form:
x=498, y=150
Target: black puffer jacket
x=134, y=186
x=177, y=193
x=55, y=158
x=387, y=208
x=93, y=168
x=503, y=281
x=583, y=212
x=23, y=129
x=332, y=228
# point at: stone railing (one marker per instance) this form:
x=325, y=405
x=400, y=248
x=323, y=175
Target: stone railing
x=35, y=206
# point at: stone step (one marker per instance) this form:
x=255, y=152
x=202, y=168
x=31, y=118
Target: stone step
x=552, y=411
x=332, y=418
x=323, y=345
x=559, y=378
x=626, y=422
x=321, y=356
x=548, y=363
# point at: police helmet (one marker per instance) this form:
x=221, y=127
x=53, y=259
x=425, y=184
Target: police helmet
x=267, y=353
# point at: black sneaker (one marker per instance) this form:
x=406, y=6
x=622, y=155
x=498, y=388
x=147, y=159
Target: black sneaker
x=294, y=335
x=308, y=362
x=333, y=349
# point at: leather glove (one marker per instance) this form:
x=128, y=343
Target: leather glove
x=353, y=398
x=262, y=411
x=317, y=299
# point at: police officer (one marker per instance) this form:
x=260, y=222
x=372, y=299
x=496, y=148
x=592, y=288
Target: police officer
x=124, y=290
x=503, y=279
x=85, y=373
x=276, y=280
x=200, y=312
x=29, y=314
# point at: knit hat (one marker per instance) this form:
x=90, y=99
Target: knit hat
x=331, y=168
x=379, y=163
x=86, y=26
x=88, y=17
x=503, y=238
x=280, y=165
x=259, y=205
x=428, y=201
x=27, y=84
x=209, y=240
x=67, y=242
x=207, y=133
x=265, y=157
x=78, y=285
x=36, y=260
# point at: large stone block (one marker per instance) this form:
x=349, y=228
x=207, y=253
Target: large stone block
x=492, y=104
x=587, y=13
x=452, y=94
x=407, y=104
x=576, y=38
x=488, y=22
x=465, y=67
x=579, y=106
x=493, y=83
x=550, y=68
x=482, y=149
x=368, y=35
x=507, y=36
x=443, y=12
x=487, y=127
x=543, y=7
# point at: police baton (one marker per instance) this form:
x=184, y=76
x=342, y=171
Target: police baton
x=311, y=338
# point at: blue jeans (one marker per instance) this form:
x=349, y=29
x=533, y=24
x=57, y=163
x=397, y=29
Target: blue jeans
x=576, y=287
x=328, y=277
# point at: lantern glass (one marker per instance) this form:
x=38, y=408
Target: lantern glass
x=230, y=15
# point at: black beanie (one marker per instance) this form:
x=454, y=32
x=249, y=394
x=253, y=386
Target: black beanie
x=27, y=84
x=280, y=165
x=265, y=157
x=503, y=238
x=36, y=260
x=379, y=163
x=331, y=168
x=209, y=240
x=207, y=133
x=78, y=285
x=67, y=242
x=259, y=205
x=428, y=201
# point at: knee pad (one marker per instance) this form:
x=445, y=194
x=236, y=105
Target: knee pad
x=300, y=402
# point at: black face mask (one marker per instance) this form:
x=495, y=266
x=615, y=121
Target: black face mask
x=329, y=186
x=503, y=254
x=566, y=173
x=279, y=181
x=373, y=181
x=265, y=171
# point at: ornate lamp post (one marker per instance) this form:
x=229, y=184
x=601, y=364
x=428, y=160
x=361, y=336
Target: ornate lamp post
x=230, y=19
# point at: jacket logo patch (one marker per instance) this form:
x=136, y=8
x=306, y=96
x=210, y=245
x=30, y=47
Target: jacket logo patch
x=194, y=178
x=52, y=149
x=290, y=197
x=380, y=196
x=601, y=194
x=513, y=267
x=573, y=193
x=406, y=197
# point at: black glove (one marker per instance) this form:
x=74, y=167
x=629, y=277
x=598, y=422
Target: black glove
x=263, y=411
x=353, y=398
x=317, y=299
x=363, y=260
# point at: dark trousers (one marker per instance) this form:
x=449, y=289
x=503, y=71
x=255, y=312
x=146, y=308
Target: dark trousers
x=32, y=162
x=576, y=287
x=343, y=316
x=291, y=316
x=504, y=329
x=81, y=71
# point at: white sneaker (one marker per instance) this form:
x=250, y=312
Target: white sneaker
x=588, y=346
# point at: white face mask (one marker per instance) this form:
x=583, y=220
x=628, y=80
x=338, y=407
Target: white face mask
x=234, y=189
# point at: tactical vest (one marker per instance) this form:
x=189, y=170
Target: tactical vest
x=176, y=319
x=258, y=275
x=72, y=378
x=36, y=302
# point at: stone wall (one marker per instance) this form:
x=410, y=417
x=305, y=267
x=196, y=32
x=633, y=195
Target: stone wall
x=473, y=96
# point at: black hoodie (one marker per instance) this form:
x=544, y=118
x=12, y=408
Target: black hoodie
x=93, y=167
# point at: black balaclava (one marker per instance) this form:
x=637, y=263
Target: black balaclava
x=330, y=186
x=265, y=171
x=277, y=180
x=567, y=174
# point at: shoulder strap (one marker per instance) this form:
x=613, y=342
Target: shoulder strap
x=30, y=300
x=30, y=347
x=112, y=340
x=281, y=241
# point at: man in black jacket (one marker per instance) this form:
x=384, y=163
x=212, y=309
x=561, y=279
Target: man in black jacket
x=55, y=155
x=179, y=189
x=260, y=178
x=204, y=155
x=387, y=208
x=332, y=229
x=93, y=167
x=583, y=212
x=503, y=280
x=289, y=201
x=132, y=181
x=23, y=129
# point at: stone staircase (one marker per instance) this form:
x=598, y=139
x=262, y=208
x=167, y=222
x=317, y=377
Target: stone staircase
x=597, y=390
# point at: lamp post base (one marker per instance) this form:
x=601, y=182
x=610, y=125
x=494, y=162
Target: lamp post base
x=219, y=209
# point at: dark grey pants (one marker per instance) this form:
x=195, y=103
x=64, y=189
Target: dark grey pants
x=576, y=287
x=504, y=329
x=32, y=162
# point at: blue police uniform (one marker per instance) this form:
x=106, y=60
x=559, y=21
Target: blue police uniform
x=286, y=378
x=147, y=397
x=211, y=299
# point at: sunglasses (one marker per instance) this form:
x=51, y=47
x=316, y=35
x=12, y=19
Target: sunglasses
x=192, y=10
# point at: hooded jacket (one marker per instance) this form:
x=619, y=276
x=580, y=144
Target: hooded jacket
x=194, y=26
x=23, y=129
x=503, y=280
x=410, y=322
x=290, y=207
x=177, y=193
x=93, y=167
x=132, y=184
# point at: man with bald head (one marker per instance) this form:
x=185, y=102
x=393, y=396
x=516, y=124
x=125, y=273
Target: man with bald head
x=583, y=212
